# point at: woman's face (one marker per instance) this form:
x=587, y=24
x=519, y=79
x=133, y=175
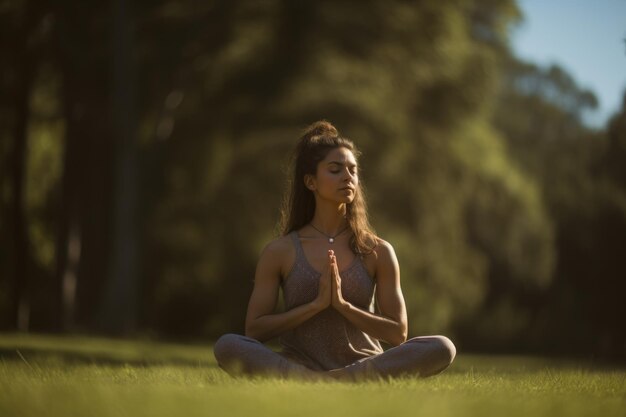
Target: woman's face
x=337, y=177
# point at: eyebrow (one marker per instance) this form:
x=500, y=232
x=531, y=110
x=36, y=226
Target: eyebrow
x=350, y=164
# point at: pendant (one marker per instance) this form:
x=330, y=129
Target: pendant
x=331, y=240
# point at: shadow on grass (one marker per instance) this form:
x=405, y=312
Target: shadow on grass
x=513, y=364
x=77, y=350
x=34, y=355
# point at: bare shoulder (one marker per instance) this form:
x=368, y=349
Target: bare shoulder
x=384, y=250
x=278, y=246
x=382, y=259
x=278, y=255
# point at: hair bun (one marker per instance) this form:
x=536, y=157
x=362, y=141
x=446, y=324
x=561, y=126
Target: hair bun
x=320, y=128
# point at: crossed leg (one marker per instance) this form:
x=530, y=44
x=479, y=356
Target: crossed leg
x=420, y=356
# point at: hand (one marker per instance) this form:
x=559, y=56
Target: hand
x=337, y=300
x=324, y=292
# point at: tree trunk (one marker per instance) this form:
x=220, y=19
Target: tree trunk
x=83, y=234
x=21, y=296
x=119, y=311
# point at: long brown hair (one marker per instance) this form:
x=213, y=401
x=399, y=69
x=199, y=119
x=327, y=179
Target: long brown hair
x=299, y=203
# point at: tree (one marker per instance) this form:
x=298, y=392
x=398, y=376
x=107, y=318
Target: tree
x=25, y=28
x=541, y=119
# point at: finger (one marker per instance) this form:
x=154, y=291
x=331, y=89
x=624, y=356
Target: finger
x=337, y=280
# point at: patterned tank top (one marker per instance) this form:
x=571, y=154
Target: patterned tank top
x=327, y=340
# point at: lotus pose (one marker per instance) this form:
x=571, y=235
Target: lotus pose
x=340, y=282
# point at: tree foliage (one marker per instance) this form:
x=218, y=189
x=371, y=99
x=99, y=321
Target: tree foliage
x=159, y=135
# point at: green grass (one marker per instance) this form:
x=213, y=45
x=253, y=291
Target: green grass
x=79, y=376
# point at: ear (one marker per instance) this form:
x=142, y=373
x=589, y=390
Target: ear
x=309, y=182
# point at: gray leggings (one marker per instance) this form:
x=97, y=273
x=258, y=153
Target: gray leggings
x=419, y=356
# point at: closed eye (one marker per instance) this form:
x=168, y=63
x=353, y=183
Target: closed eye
x=336, y=167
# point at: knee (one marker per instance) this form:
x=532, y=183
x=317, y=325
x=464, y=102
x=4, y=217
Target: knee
x=445, y=349
x=225, y=347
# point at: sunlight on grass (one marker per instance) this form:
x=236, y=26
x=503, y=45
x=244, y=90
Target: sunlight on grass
x=110, y=378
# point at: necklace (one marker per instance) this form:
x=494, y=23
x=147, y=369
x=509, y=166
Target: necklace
x=331, y=239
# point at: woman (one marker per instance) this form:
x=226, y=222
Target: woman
x=341, y=283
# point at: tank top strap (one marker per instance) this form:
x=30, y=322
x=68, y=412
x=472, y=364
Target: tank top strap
x=298, y=245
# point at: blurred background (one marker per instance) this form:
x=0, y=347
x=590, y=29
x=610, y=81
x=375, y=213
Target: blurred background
x=144, y=148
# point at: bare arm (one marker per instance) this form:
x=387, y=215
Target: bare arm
x=391, y=325
x=261, y=322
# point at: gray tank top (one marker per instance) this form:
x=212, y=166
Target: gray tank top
x=327, y=340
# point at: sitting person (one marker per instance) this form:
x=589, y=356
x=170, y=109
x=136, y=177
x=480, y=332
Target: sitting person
x=341, y=284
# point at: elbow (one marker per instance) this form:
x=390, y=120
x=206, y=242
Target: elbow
x=399, y=340
x=404, y=333
x=399, y=337
x=253, y=335
x=249, y=332
x=252, y=332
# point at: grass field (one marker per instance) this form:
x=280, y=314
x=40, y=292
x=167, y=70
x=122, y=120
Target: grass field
x=80, y=376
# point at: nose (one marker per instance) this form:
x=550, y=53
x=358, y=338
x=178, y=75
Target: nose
x=348, y=175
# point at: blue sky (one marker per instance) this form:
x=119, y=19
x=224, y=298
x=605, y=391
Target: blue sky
x=586, y=37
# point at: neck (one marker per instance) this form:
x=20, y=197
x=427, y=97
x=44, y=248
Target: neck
x=329, y=219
